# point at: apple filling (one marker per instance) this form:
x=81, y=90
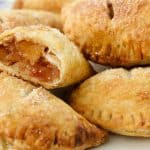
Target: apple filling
x=29, y=57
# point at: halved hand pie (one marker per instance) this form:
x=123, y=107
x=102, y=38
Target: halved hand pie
x=110, y=32
x=42, y=56
x=13, y=18
x=117, y=100
x=33, y=119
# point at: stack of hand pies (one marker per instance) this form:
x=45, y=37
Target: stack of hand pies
x=36, y=57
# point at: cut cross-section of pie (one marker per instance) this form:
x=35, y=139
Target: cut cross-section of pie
x=13, y=18
x=117, y=100
x=42, y=56
x=33, y=119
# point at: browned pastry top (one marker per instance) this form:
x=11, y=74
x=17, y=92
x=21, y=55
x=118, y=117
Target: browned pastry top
x=33, y=119
x=48, y=5
x=114, y=32
x=13, y=18
x=117, y=100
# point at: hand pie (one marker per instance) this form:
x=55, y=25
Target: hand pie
x=12, y=18
x=110, y=32
x=42, y=56
x=48, y=5
x=117, y=100
x=33, y=119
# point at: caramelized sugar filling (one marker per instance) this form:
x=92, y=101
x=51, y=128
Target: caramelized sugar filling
x=30, y=57
x=44, y=71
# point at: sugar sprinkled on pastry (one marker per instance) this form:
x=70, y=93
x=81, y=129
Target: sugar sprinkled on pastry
x=110, y=32
x=32, y=118
x=117, y=100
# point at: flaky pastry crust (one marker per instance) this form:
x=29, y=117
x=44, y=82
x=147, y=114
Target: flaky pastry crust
x=110, y=32
x=42, y=56
x=117, y=100
x=13, y=18
x=48, y=5
x=32, y=118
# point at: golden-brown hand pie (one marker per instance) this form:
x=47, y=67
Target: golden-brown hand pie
x=33, y=119
x=12, y=18
x=48, y=5
x=117, y=100
x=42, y=55
x=110, y=32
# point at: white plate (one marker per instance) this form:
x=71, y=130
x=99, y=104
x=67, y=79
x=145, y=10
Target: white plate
x=115, y=142
x=125, y=143
x=5, y=4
